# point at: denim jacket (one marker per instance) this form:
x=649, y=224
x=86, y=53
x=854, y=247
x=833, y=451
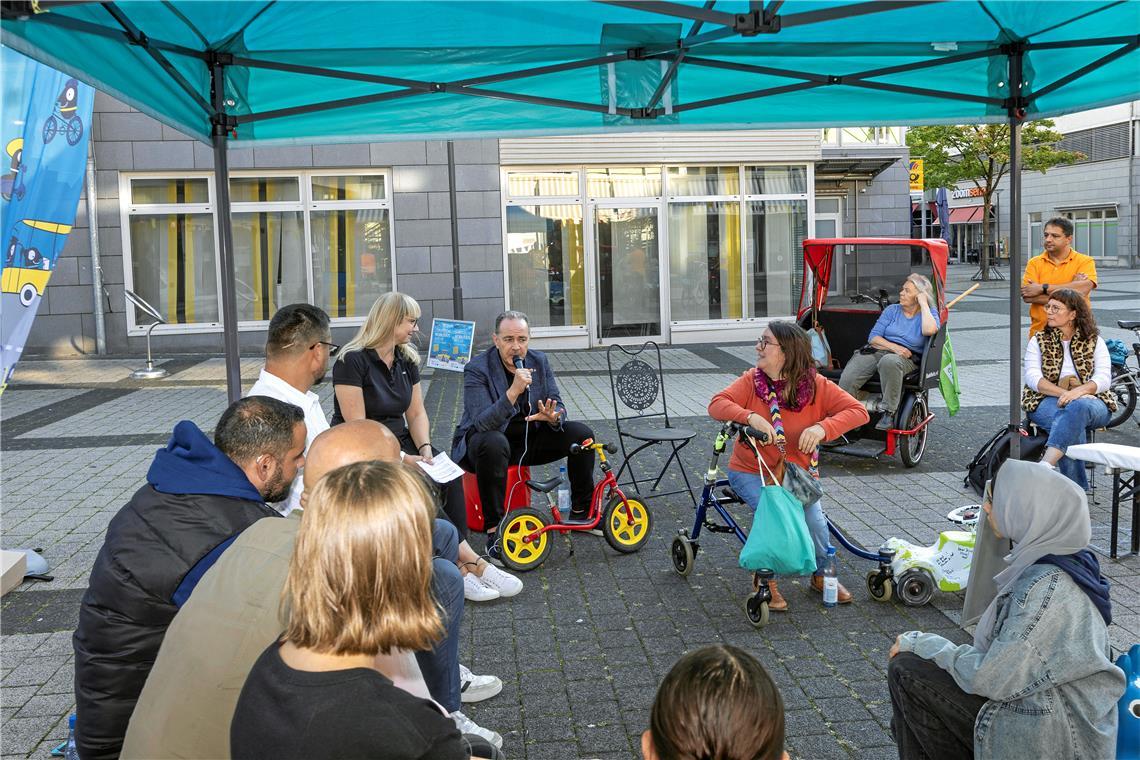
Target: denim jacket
x=1051, y=686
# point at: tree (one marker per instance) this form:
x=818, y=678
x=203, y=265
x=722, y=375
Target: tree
x=980, y=153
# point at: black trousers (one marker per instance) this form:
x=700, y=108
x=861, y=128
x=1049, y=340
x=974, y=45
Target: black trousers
x=448, y=496
x=490, y=453
x=933, y=717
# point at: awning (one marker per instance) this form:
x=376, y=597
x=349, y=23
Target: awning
x=966, y=215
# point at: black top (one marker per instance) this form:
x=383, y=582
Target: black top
x=387, y=393
x=357, y=713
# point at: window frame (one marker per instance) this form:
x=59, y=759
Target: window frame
x=304, y=204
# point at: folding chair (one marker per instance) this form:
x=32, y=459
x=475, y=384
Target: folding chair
x=636, y=387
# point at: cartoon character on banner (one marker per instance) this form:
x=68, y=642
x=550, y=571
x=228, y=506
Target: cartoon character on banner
x=65, y=119
x=12, y=184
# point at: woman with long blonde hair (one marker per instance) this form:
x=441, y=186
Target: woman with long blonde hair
x=359, y=585
x=377, y=377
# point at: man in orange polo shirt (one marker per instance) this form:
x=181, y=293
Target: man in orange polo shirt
x=1059, y=266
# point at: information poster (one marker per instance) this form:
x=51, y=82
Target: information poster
x=451, y=342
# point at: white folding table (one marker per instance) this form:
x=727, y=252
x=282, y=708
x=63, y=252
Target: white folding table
x=1117, y=461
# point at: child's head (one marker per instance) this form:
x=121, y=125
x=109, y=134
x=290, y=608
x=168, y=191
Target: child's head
x=716, y=702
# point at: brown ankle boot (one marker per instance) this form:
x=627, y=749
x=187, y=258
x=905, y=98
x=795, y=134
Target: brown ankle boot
x=844, y=596
x=777, y=603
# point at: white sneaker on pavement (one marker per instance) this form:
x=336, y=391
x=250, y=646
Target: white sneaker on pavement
x=473, y=688
x=475, y=590
x=504, y=583
x=468, y=726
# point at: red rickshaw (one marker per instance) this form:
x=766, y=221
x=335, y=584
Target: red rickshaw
x=847, y=283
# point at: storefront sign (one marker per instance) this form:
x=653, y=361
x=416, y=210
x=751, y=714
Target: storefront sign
x=450, y=345
x=967, y=192
x=917, y=177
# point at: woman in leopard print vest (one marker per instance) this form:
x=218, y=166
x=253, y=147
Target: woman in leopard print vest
x=1067, y=374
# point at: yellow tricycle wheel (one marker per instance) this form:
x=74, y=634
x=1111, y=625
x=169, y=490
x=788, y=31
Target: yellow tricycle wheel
x=625, y=534
x=518, y=553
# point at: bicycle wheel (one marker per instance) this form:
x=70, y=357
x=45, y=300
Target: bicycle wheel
x=519, y=554
x=624, y=534
x=1124, y=388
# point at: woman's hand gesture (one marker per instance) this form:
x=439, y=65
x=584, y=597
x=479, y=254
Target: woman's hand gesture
x=547, y=412
x=811, y=437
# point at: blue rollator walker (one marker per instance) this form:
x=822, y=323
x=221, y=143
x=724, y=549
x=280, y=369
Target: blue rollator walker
x=716, y=494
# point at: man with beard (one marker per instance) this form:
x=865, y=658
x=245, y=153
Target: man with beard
x=198, y=498
x=297, y=352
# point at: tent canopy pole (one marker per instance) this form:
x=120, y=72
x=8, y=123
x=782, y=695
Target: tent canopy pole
x=1016, y=108
x=220, y=128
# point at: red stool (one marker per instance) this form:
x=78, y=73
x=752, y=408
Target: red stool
x=517, y=497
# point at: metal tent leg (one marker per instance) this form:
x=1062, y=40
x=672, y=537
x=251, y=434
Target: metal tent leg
x=1016, y=116
x=225, y=233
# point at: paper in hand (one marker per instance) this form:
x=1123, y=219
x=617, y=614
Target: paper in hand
x=441, y=469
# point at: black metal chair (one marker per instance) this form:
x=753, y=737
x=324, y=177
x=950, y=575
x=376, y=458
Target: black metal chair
x=641, y=412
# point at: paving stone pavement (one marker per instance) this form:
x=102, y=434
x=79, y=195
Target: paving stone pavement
x=583, y=648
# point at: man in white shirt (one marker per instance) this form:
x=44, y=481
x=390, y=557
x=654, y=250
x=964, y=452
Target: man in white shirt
x=297, y=353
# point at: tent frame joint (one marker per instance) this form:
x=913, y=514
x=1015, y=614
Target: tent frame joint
x=218, y=58
x=645, y=113
x=757, y=21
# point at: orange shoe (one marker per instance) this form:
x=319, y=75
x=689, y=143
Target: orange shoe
x=844, y=596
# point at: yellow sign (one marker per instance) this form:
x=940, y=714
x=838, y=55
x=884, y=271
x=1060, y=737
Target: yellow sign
x=917, y=179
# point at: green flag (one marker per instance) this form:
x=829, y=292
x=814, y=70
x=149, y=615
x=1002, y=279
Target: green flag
x=948, y=377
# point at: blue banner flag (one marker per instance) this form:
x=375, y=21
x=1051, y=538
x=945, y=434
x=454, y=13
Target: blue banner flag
x=45, y=131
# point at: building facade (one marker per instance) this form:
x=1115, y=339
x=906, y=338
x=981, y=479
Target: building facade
x=681, y=236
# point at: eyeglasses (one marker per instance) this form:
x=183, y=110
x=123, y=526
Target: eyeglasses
x=1054, y=308
x=766, y=343
x=334, y=348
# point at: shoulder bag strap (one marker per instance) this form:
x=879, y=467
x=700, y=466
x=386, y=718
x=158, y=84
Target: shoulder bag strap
x=782, y=439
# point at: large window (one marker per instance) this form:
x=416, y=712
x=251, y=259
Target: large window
x=729, y=238
x=1094, y=231
x=299, y=237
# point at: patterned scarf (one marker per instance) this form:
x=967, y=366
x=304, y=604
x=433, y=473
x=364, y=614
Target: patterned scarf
x=805, y=389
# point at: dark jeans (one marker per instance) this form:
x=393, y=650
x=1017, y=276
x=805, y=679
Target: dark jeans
x=449, y=496
x=933, y=717
x=440, y=666
x=490, y=453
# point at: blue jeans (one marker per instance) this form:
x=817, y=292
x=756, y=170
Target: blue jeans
x=440, y=666
x=748, y=487
x=1068, y=426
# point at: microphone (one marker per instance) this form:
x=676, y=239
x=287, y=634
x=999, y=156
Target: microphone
x=518, y=362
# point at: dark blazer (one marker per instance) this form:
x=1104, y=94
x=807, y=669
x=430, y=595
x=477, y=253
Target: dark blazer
x=485, y=402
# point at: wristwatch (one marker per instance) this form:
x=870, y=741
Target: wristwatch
x=1045, y=289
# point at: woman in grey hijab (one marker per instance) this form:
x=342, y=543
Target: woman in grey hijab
x=1037, y=680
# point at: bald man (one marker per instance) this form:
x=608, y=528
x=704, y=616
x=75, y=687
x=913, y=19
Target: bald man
x=188, y=702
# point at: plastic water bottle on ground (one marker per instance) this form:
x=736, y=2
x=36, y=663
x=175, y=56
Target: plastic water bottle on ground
x=70, y=752
x=830, y=580
x=563, y=493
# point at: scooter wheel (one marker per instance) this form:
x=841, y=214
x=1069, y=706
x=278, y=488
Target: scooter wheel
x=757, y=610
x=682, y=553
x=915, y=587
x=517, y=552
x=879, y=586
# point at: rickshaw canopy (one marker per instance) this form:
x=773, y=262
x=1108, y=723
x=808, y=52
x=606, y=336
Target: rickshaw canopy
x=338, y=71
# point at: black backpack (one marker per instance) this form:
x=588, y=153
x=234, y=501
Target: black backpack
x=993, y=454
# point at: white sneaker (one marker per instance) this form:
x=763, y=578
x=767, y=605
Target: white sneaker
x=504, y=583
x=475, y=590
x=468, y=726
x=473, y=688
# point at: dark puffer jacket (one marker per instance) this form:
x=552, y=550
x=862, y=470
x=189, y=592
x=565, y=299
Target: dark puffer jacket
x=194, y=505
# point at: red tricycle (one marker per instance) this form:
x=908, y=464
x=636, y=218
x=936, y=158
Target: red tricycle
x=524, y=534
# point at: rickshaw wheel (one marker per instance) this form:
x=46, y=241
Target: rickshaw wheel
x=879, y=586
x=622, y=534
x=757, y=611
x=682, y=553
x=517, y=553
x=915, y=587
x=912, y=447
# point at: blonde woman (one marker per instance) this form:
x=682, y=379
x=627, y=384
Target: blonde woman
x=359, y=585
x=894, y=347
x=377, y=377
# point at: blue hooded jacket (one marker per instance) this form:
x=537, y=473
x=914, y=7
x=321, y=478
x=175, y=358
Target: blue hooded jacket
x=190, y=463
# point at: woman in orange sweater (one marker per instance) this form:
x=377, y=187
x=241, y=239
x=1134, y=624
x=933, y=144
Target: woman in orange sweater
x=811, y=409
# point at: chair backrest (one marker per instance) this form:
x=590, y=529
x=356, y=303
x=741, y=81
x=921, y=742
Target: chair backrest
x=638, y=383
x=846, y=330
x=931, y=365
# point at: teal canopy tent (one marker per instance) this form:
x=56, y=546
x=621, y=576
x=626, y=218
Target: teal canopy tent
x=257, y=72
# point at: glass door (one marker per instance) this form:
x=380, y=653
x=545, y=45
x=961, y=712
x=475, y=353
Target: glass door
x=627, y=273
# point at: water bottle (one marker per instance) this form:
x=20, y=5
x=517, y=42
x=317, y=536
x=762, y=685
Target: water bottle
x=830, y=580
x=71, y=752
x=563, y=492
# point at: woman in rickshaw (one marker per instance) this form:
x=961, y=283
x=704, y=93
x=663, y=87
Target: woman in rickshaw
x=796, y=408
x=894, y=347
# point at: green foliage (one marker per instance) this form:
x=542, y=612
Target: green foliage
x=980, y=152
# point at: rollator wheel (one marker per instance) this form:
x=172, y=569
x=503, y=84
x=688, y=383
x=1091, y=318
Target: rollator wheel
x=757, y=610
x=912, y=447
x=915, y=587
x=518, y=553
x=682, y=553
x=879, y=586
x=622, y=533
